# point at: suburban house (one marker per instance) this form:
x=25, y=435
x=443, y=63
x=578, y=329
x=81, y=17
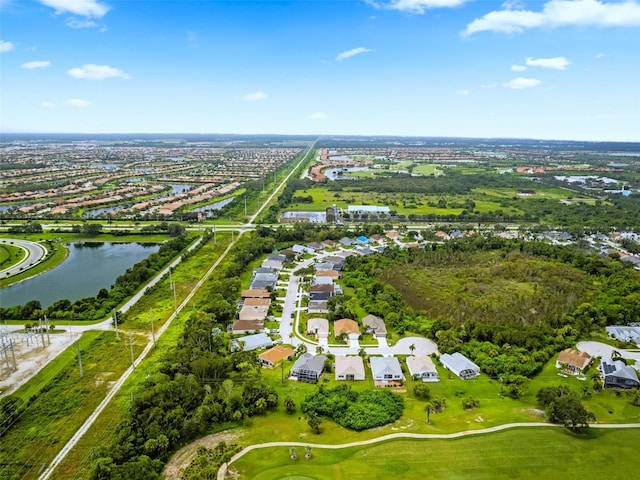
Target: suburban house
x=346, y=241
x=347, y=325
x=332, y=274
x=308, y=368
x=386, y=369
x=573, y=361
x=318, y=327
x=422, y=368
x=376, y=325
x=252, y=342
x=275, y=262
x=323, y=279
x=256, y=302
x=263, y=279
x=253, y=312
x=460, y=365
x=275, y=355
x=617, y=374
x=624, y=333
x=240, y=327
x=255, y=293
x=317, y=306
x=349, y=368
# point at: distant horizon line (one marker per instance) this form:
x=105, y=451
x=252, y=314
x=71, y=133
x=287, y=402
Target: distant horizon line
x=319, y=136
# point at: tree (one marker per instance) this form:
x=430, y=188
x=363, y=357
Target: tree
x=307, y=451
x=429, y=408
x=292, y=453
x=412, y=348
x=421, y=391
x=289, y=404
x=314, y=420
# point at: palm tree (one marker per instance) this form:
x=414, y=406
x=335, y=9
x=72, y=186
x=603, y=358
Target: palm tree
x=319, y=350
x=429, y=408
x=307, y=450
x=292, y=452
x=412, y=348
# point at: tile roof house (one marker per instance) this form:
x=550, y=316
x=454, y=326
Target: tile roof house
x=460, y=365
x=275, y=355
x=349, y=368
x=253, y=312
x=386, y=369
x=308, y=368
x=376, y=324
x=317, y=306
x=617, y=374
x=347, y=325
x=422, y=368
x=573, y=361
x=255, y=293
x=244, y=326
x=318, y=327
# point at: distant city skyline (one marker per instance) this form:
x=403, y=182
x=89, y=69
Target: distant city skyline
x=551, y=69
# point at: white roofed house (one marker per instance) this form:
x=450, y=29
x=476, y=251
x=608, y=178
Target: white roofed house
x=460, y=365
x=349, y=368
x=376, y=324
x=386, y=370
x=318, y=327
x=422, y=368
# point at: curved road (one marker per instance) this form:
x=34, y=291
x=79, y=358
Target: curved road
x=35, y=253
x=395, y=436
x=94, y=415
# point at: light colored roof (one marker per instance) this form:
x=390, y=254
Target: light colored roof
x=420, y=363
x=375, y=323
x=277, y=353
x=457, y=362
x=319, y=324
x=253, y=312
x=352, y=365
x=346, y=325
x=575, y=358
x=385, y=365
x=328, y=273
x=252, y=342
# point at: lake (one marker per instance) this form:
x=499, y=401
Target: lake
x=88, y=268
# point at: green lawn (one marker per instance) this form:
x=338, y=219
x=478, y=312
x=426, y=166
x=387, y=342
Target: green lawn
x=10, y=255
x=531, y=453
x=57, y=254
x=427, y=169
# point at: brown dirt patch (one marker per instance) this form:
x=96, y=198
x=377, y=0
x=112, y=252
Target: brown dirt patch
x=183, y=457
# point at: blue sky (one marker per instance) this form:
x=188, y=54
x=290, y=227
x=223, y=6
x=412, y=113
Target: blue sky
x=556, y=69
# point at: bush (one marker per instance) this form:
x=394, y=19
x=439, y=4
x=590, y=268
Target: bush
x=421, y=391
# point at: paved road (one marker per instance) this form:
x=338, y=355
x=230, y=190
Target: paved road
x=35, y=254
x=99, y=409
x=394, y=436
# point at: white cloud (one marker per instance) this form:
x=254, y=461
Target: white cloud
x=36, y=64
x=559, y=13
x=48, y=105
x=84, y=8
x=98, y=72
x=318, y=116
x=415, y=6
x=518, y=68
x=77, y=102
x=601, y=55
x=462, y=92
x=351, y=53
x=255, y=96
x=556, y=63
x=78, y=24
x=6, y=46
x=521, y=83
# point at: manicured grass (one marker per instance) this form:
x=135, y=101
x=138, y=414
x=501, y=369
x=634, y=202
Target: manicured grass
x=427, y=169
x=64, y=402
x=57, y=253
x=530, y=453
x=10, y=255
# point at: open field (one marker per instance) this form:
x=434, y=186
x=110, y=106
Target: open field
x=61, y=401
x=526, y=453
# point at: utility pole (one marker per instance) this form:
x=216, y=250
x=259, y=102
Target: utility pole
x=115, y=322
x=133, y=364
x=153, y=333
x=46, y=322
x=41, y=332
x=79, y=357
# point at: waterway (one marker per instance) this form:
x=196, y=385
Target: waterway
x=88, y=268
x=208, y=209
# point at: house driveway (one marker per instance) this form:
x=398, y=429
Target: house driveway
x=599, y=349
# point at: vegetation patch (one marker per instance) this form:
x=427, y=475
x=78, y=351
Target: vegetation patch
x=355, y=410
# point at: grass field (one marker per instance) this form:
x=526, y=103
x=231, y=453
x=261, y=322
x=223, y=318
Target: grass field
x=427, y=169
x=10, y=255
x=531, y=453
